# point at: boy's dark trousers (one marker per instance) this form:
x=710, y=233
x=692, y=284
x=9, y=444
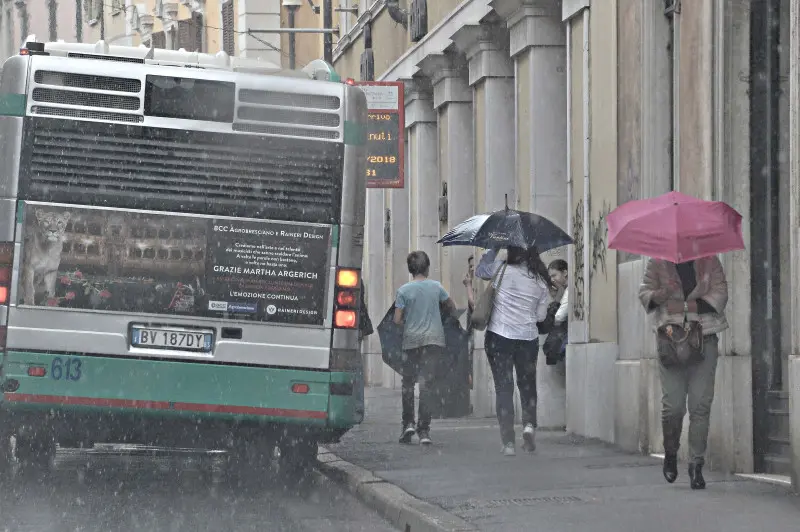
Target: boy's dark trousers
x=420, y=365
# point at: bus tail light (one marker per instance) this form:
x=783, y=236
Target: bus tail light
x=346, y=302
x=6, y=265
x=346, y=319
x=37, y=371
x=347, y=278
x=300, y=387
x=346, y=299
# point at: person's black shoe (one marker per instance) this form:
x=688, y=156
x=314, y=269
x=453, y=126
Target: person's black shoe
x=424, y=437
x=407, y=434
x=696, y=479
x=671, y=467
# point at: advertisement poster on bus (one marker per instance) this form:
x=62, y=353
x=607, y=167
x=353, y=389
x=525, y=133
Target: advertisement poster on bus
x=141, y=262
x=385, y=133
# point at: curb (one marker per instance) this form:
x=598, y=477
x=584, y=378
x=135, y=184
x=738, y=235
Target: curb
x=400, y=508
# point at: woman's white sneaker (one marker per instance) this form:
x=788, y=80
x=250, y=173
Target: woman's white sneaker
x=529, y=437
x=508, y=450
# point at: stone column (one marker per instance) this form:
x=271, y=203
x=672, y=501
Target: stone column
x=538, y=46
x=422, y=170
x=491, y=76
x=260, y=14
x=794, y=222
x=373, y=270
x=396, y=226
x=452, y=99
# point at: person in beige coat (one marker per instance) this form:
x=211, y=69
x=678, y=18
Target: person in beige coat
x=696, y=291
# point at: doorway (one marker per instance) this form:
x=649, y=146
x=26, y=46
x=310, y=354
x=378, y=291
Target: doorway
x=769, y=223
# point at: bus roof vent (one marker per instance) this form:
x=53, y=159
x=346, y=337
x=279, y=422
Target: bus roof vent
x=289, y=113
x=71, y=94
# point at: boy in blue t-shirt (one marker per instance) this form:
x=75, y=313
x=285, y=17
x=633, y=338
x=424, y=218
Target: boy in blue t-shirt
x=418, y=308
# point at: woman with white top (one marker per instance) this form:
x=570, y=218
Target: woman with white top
x=512, y=337
x=555, y=345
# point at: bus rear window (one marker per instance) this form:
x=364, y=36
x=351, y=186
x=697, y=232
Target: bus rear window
x=188, y=98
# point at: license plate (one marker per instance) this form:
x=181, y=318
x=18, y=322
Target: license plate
x=177, y=339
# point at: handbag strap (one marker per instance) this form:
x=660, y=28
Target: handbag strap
x=501, y=271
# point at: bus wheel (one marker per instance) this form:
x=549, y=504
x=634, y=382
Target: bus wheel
x=298, y=455
x=35, y=451
x=252, y=454
x=6, y=453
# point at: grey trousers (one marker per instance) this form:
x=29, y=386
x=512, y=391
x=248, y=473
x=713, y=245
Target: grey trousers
x=695, y=382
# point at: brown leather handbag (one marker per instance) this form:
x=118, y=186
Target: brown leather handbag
x=482, y=315
x=680, y=345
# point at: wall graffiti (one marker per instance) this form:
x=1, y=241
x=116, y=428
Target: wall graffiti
x=598, y=232
x=577, y=295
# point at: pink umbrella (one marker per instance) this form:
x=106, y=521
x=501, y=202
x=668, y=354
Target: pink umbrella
x=675, y=227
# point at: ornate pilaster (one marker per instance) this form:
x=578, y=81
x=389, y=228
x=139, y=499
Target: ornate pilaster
x=422, y=169
x=491, y=74
x=452, y=99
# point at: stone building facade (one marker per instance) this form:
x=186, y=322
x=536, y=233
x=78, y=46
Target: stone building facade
x=570, y=108
x=207, y=26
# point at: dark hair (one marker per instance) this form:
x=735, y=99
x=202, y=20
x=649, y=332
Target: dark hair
x=558, y=265
x=531, y=258
x=418, y=263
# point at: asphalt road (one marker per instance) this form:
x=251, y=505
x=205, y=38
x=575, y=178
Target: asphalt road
x=113, y=489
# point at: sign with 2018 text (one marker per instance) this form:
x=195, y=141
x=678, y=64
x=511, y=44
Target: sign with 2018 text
x=385, y=134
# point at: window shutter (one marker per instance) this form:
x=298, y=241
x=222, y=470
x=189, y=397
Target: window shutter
x=418, y=20
x=159, y=40
x=198, y=31
x=52, y=21
x=227, y=28
x=78, y=21
x=190, y=33
x=367, y=65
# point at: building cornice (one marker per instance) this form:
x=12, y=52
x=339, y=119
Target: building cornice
x=571, y=8
x=507, y=9
x=449, y=74
x=418, y=97
x=438, y=38
x=486, y=48
x=347, y=40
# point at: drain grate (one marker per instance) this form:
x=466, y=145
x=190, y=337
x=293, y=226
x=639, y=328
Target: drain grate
x=622, y=465
x=516, y=501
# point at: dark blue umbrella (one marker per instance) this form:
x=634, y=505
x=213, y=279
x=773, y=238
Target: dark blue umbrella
x=505, y=228
x=391, y=337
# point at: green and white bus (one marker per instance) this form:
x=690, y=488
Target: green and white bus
x=181, y=239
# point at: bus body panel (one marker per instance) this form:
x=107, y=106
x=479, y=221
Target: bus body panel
x=263, y=345
x=111, y=385
x=95, y=386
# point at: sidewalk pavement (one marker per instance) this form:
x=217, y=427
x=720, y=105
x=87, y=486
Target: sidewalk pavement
x=463, y=482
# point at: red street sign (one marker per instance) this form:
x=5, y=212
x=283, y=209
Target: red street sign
x=385, y=133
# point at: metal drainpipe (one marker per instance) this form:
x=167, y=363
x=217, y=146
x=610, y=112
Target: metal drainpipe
x=587, y=270
x=327, y=22
x=570, y=229
x=292, y=37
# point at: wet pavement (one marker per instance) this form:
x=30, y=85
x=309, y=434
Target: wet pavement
x=115, y=489
x=570, y=484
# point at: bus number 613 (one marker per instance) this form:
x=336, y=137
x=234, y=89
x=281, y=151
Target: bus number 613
x=68, y=369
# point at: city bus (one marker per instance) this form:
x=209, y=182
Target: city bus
x=181, y=240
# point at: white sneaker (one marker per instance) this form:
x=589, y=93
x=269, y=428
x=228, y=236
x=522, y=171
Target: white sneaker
x=508, y=450
x=529, y=437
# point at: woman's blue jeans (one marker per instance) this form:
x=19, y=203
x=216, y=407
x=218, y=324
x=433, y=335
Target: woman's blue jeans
x=504, y=355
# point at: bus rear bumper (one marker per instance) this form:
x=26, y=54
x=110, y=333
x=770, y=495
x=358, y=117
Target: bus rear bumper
x=80, y=398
